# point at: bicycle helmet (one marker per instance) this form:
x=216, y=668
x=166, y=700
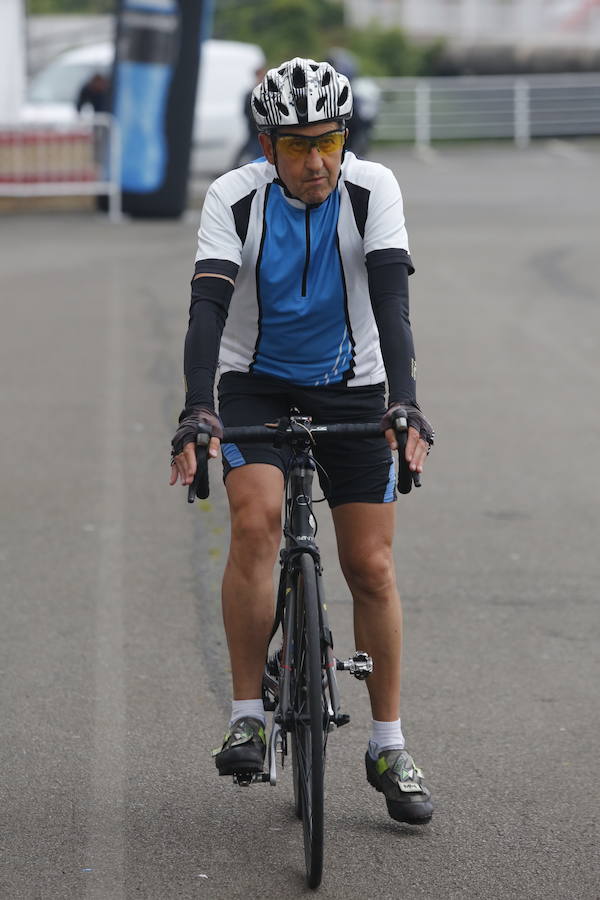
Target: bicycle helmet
x=301, y=92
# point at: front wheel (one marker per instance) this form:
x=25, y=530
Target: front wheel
x=308, y=732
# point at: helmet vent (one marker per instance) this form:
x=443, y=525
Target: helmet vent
x=301, y=105
x=343, y=95
x=320, y=103
x=260, y=108
x=326, y=79
x=283, y=109
x=272, y=86
x=298, y=77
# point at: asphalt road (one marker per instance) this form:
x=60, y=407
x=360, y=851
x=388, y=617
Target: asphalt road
x=114, y=683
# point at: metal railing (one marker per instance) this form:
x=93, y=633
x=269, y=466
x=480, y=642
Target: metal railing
x=40, y=159
x=494, y=106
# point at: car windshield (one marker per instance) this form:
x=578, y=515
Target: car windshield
x=60, y=83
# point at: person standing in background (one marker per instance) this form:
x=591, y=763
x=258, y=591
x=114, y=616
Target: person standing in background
x=95, y=93
x=251, y=148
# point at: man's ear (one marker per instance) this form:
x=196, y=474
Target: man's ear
x=267, y=146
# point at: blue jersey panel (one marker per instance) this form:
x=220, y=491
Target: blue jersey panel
x=303, y=329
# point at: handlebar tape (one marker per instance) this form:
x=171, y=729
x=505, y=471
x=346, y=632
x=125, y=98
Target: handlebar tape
x=199, y=486
x=406, y=478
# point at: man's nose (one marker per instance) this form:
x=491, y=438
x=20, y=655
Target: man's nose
x=313, y=160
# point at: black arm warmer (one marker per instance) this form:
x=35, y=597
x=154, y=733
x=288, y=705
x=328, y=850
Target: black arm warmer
x=388, y=272
x=211, y=295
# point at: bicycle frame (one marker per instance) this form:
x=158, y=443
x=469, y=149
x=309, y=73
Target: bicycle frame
x=299, y=531
x=299, y=681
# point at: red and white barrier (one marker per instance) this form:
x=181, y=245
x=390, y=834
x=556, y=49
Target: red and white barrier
x=57, y=160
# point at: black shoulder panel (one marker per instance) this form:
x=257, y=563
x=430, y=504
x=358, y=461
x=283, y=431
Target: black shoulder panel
x=216, y=267
x=359, y=197
x=241, y=215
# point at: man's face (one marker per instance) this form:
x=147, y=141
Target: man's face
x=311, y=174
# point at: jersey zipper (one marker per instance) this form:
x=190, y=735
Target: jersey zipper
x=307, y=261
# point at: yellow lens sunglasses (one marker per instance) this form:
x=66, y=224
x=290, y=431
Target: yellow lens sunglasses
x=295, y=146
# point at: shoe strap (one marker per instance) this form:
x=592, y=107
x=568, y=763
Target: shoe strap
x=243, y=731
x=402, y=765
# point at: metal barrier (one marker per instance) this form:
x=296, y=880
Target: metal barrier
x=494, y=106
x=40, y=159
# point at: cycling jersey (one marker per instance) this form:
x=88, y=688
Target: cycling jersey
x=319, y=289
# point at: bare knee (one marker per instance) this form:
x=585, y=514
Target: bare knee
x=255, y=494
x=255, y=536
x=370, y=574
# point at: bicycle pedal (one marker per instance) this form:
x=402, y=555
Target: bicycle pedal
x=245, y=779
x=360, y=665
x=341, y=719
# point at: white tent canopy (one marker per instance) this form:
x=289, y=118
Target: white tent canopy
x=12, y=59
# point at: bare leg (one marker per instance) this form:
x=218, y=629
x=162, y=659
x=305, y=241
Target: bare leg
x=364, y=534
x=255, y=495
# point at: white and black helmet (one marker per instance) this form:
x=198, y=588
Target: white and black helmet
x=301, y=92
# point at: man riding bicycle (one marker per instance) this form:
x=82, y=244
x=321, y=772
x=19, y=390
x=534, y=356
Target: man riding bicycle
x=300, y=298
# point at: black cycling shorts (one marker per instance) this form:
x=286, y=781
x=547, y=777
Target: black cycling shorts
x=350, y=469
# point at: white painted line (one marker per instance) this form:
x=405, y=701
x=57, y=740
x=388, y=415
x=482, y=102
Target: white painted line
x=106, y=837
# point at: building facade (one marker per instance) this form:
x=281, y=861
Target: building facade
x=494, y=21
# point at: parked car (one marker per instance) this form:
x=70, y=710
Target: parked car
x=227, y=72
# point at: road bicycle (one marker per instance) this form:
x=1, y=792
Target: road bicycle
x=299, y=681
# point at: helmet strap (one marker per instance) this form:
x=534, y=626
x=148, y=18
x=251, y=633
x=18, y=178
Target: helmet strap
x=287, y=192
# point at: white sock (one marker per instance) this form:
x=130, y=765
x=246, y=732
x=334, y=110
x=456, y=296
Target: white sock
x=385, y=736
x=240, y=709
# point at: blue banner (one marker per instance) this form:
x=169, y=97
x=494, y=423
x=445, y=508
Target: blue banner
x=154, y=93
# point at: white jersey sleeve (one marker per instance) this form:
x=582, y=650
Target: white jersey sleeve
x=217, y=235
x=385, y=227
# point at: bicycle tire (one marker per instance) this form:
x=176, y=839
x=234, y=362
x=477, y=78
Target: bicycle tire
x=297, y=790
x=308, y=733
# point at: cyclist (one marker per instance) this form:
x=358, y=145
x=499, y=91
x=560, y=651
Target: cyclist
x=300, y=297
